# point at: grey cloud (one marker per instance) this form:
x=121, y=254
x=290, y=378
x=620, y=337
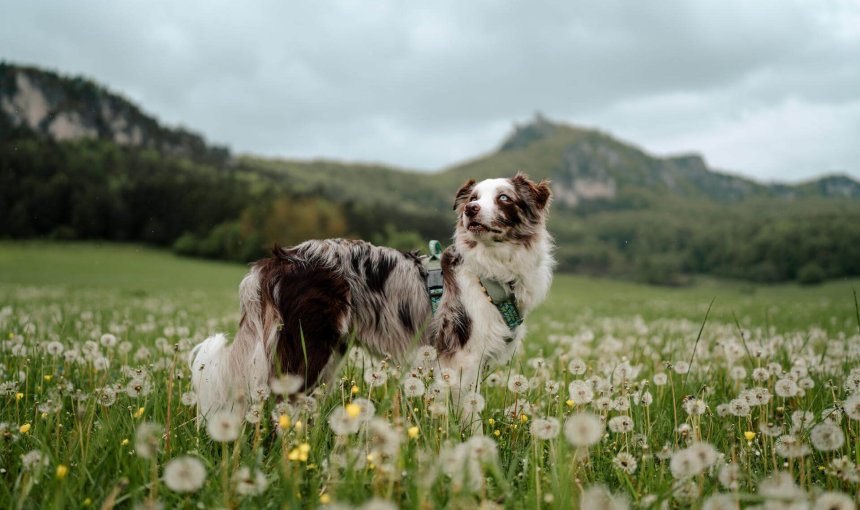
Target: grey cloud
x=423, y=85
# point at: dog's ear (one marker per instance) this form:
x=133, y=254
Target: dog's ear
x=463, y=195
x=539, y=193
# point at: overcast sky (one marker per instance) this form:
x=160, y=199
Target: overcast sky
x=769, y=89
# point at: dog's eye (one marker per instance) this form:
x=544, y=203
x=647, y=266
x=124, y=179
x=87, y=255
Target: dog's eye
x=504, y=198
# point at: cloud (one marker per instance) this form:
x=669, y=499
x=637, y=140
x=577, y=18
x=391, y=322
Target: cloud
x=424, y=85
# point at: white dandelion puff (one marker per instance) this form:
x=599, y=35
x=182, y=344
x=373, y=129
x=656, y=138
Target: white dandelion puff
x=184, y=474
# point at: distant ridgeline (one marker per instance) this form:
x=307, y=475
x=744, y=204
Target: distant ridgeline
x=80, y=162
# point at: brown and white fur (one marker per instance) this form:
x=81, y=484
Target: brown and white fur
x=323, y=293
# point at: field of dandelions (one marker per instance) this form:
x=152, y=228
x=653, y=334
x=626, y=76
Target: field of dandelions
x=623, y=396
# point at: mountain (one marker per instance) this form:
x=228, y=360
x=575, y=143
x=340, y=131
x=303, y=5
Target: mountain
x=61, y=108
x=81, y=162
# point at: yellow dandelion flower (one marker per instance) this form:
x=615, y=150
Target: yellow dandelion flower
x=62, y=471
x=354, y=389
x=325, y=499
x=298, y=426
x=284, y=421
x=524, y=418
x=294, y=454
x=48, y=377
x=43, y=415
x=19, y=396
x=749, y=435
x=124, y=442
x=497, y=433
x=88, y=502
x=491, y=421
x=24, y=428
x=304, y=448
x=139, y=412
x=413, y=432
x=569, y=403
x=353, y=410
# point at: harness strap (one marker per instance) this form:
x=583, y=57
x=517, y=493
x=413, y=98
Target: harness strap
x=502, y=296
x=433, y=265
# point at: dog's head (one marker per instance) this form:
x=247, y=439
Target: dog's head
x=502, y=210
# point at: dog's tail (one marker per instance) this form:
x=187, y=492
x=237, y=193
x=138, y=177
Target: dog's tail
x=211, y=375
x=232, y=376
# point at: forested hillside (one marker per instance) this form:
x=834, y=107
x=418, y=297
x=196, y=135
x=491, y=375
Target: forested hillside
x=78, y=161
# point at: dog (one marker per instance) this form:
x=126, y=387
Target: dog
x=301, y=307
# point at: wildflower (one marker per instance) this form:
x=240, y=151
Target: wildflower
x=254, y=413
x=580, y=392
x=790, y=447
x=576, y=366
x=382, y=439
x=518, y=383
x=660, y=379
x=24, y=428
x=283, y=422
x=62, y=471
x=621, y=424
x=184, y=474
x=108, y=340
x=785, y=388
x=852, y=407
x=706, y=453
x=425, y=355
x=739, y=407
x=685, y=463
x=342, y=422
x=224, y=426
x=366, y=408
x=19, y=396
x=827, y=437
x=248, y=482
x=189, y=398
x=583, y=429
x=720, y=502
x=493, y=380
x=738, y=373
x=286, y=384
x=730, y=476
x=146, y=440
x=695, y=407
x=781, y=487
x=760, y=374
x=625, y=462
x=375, y=377
x=54, y=348
x=473, y=403
x=598, y=497
x=749, y=435
x=551, y=387
x=413, y=387
x=833, y=501
x=446, y=377
x=33, y=460
x=412, y=432
x=545, y=428
x=681, y=368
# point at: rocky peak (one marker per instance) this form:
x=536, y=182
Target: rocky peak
x=45, y=104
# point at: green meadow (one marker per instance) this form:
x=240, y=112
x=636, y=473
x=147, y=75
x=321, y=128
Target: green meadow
x=753, y=406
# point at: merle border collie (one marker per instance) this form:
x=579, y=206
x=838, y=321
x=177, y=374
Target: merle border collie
x=303, y=305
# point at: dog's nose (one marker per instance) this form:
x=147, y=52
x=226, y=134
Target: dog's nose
x=472, y=209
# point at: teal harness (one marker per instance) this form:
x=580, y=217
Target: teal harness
x=500, y=295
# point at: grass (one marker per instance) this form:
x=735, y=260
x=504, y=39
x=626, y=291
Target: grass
x=86, y=413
